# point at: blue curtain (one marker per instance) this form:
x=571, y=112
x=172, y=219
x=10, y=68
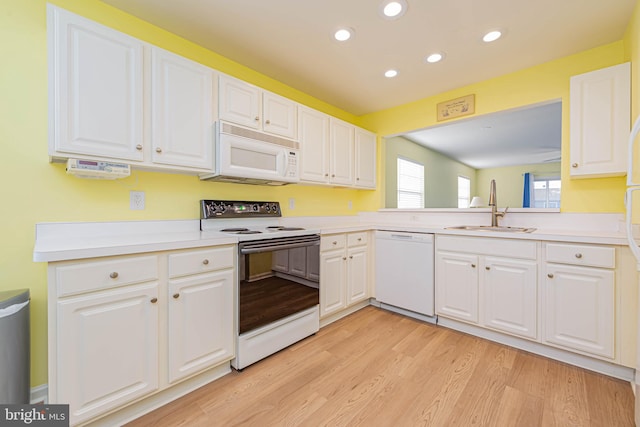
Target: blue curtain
x=526, y=198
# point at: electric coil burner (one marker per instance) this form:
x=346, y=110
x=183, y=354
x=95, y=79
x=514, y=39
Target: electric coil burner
x=278, y=276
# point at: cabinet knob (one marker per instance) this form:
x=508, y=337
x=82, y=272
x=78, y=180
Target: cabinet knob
x=334, y=242
x=333, y=175
x=344, y=258
x=158, y=150
x=154, y=300
x=114, y=275
x=139, y=147
x=550, y=275
x=257, y=119
x=268, y=122
x=574, y=165
x=359, y=239
x=326, y=174
x=350, y=256
x=205, y=261
x=357, y=179
x=473, y=266
x=487, y=268
x=578, y=255
x=176, y=296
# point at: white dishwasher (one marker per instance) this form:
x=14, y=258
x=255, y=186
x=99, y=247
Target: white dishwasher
x=404, y=271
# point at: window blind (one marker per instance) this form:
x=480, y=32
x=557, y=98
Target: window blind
x=410, y=184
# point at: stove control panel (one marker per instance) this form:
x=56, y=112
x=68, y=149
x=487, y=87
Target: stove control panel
x=210, y=209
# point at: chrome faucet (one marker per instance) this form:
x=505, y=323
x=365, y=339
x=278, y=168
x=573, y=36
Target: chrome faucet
x=494, y=205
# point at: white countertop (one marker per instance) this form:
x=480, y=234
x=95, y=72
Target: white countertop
x=67, y=241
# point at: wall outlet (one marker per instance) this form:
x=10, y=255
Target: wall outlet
x=350, y=204
x=292, y=203
x=136, y=200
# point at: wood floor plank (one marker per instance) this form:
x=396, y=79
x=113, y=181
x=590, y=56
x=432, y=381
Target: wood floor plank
x=377, y=368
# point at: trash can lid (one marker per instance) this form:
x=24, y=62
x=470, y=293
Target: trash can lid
x=15, y=296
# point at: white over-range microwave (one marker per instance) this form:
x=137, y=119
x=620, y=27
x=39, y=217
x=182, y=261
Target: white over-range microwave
x=251, y=157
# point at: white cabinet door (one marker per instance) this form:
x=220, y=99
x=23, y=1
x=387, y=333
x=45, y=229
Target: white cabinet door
x=600, y=121
x=314, y=145
x=107, y=349
x=280, y=261
x=279, y=115
x=200, y=323
x=365, y=143
x=580, y=308
x=358, y=277
x=298, y=262
x=182, y=111
x=341, y=136
x=96, y=90
x=457, y=286
x=239, y=102
x=333, y=282
x=510, y=296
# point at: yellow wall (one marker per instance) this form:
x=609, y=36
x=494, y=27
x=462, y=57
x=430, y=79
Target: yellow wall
x=34, y=190
x=544, y=82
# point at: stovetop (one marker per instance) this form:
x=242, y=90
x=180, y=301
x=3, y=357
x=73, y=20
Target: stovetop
x=248, y=220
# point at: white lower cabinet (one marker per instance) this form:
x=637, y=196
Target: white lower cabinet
x=107, y=344
x=344, y=271
x=488, y=282
x=510, y=295
x=580, y=299
x=125, y=327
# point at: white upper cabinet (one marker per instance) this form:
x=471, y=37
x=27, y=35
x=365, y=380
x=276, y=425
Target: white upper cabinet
x=365, y=144
x=95, y=90
x=599, y=122
x=182, y=117
x=314, y=143
x=341, y=142
x=252, y=107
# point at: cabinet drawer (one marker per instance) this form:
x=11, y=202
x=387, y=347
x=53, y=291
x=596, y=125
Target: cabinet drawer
x=104, y=274
x=510, y=248
x=333, y=241
x=357, y=239
x=594, y=256
x=201, y=261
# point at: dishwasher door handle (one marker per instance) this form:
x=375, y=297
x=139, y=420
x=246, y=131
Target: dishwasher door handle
x=401, y=236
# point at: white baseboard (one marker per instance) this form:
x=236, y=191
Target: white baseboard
x=40, y=394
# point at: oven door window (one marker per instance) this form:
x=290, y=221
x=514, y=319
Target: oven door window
x=277, y=283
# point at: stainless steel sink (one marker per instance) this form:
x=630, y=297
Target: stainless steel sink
x=492, y=228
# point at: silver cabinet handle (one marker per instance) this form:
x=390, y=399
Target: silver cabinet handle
x=114, y=275
x=139, y=147
x=550, y=276
x=257, y=119
x=176, y=296
x=574, y=165
x=578, y=255
x=326, y=174
x=158, y=150
x=268, y=122
x=154, y=300
x=350, y=256
x=205, y=261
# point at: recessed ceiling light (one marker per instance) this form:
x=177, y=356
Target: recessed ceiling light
x=392, y=9
x=434, y=57
x=390, y=73
x=492, y=36
x=343, y=34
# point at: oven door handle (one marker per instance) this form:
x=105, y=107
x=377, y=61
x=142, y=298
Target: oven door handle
x=245, y=251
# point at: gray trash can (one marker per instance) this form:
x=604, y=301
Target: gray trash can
x=15, y=363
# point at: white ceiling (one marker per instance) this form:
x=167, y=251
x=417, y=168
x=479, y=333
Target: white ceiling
x=521, y=136
x=290, y=40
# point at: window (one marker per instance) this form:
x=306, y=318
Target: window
x=410, y=184
x=546, y=193
x=464, y=191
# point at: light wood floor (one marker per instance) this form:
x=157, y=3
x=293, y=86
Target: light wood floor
x=376, y=368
